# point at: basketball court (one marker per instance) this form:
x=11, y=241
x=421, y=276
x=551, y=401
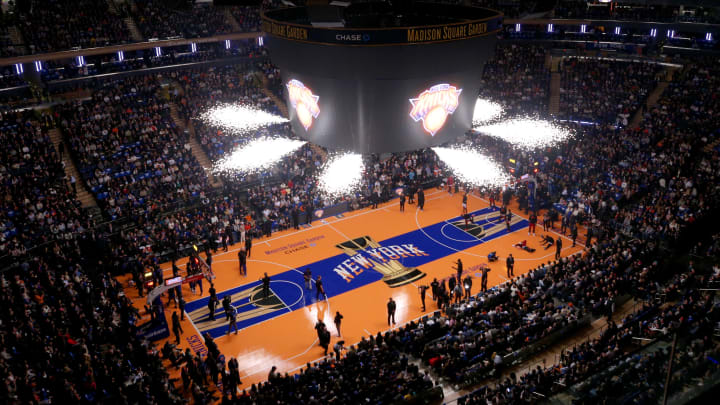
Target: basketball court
x=364, y=258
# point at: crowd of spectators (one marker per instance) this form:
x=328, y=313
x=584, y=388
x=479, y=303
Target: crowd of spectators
x=95, y=65
x=10, y=78
x=639, y=185
x=8, y=47
x=248, y=18
x=37, y=205
x=518, y=77
x=55, y=25
x=129, y=151
x=69, y=335
x=640, y=11
x=373, y=371
x=155, y=20
x=593, y=367
x=605, y=91
x=477, y=337
x=204, y=89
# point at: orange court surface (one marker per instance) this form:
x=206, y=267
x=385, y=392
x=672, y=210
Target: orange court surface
x=364, y=257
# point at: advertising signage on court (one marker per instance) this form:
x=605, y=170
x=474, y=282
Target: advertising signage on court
x=275, y=24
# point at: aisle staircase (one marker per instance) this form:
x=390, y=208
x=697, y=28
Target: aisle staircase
x=653, y=97
x=554, y=107
x=232, y=21
x=134, y=31
x=278, y=102
x=16, y=38
x=112, y=8
x=195, y=146
x=554, y=93
x=83, y=194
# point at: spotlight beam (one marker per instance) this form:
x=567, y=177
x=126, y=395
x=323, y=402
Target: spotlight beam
x=257, y=155
x=473, y=167
x=527, y=133
x=341, y=174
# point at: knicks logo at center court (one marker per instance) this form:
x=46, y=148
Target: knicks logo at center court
x=434, y=105
x=304, y=102
x=366, y=254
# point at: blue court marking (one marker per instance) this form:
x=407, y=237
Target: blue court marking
x=335, y=284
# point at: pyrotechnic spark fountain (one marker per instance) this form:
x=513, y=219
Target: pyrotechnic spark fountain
x=527, y=133
x=341, y=174
x=257, y=155
x=471, y=166
x=486, y=111
x=239, y=118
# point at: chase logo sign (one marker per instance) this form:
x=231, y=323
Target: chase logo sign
x=433, y=106
x=304, y=102
x=352, y=37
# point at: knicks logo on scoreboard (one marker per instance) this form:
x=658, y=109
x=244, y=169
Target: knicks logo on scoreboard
x=366, y=254
x=434, y=105
x=304, y=102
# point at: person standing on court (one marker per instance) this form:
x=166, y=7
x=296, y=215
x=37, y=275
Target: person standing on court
x=325, y=340
x=338, y=321
x=307, y=276
x=558, y=248
x=391, y=306
x=434, y=286
x=421, y=198
x=458, y=292
x=266, y=286
x=320, y=289
x=181, y=307
x=248, y=245
x=208, y=259
x=464, y=203
x=467, y=284
x=532, y=223
x=423, y=290
x=296, y=218
x=177, y=329
x=309, y=212
x=402, y=201
x=573, y=233
x=233, y=320
x=226, y=306
x=213, y=292
x=510, y=264
x=484, y=280
x=459, y=269
x=212, y=303
x=242, y=261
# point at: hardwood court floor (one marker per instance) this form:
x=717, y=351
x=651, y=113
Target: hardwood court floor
x=279, y=330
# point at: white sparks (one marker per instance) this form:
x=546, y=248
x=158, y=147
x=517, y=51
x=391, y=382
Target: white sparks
x=486, y=111
x=240, y=118
x=471, y=166
x=341, y=174
x=527, y=133
x=257, y=155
